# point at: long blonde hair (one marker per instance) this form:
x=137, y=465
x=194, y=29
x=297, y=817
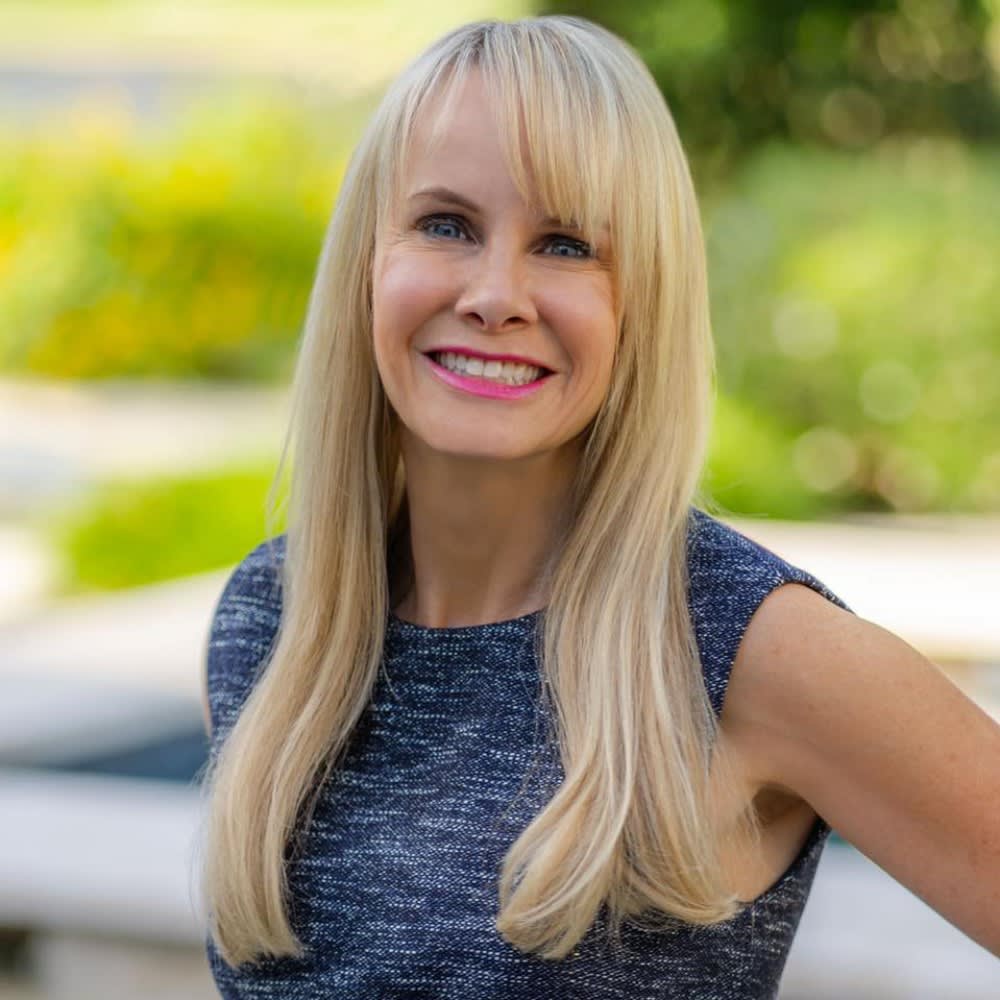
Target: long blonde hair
x=631, y=825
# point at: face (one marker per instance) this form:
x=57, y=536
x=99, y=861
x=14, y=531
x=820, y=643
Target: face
x=494, y=327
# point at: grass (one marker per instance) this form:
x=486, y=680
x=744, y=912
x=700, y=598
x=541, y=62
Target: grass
x=134, y=533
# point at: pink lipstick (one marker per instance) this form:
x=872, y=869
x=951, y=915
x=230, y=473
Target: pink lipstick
x=486, y=387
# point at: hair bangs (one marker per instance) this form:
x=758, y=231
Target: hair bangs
x=557, y=149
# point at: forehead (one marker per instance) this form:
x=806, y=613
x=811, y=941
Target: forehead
x=456, y=133
x=471, y=131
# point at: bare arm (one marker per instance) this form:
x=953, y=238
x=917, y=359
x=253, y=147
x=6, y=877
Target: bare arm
x=881, y=744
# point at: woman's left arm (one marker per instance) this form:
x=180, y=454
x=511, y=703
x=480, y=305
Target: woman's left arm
x=881, y=744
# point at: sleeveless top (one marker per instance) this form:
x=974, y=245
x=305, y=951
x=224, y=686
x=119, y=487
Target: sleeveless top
x=394, y=886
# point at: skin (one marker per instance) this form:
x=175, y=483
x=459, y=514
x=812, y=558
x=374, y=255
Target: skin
x=829, y=713
x=483, y=269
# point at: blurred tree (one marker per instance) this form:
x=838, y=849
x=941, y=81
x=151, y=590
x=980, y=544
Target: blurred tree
x=843, y=72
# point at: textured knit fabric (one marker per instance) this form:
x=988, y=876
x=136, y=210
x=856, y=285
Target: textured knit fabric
x=394, y=893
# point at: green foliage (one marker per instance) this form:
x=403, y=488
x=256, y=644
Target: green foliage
x=857, y=317
x=140, y=532
x=179, y=254
x=737, y=73
x=748, y=467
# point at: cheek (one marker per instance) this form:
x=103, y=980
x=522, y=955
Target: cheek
x=590, y=320
x=407, y=290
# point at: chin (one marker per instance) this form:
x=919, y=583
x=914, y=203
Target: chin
x=487, y=454
x=493, y=448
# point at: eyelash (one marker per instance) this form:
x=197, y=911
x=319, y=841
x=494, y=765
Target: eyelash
x=586, y=251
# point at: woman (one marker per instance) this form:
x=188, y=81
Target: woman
x=531, y=724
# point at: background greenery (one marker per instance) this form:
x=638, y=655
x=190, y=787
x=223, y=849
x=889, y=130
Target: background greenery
x=136, y=532
x=847, y=73
x=846, y=155
x=185, y=253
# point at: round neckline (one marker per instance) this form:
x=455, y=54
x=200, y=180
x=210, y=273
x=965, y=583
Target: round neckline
x=402, y=627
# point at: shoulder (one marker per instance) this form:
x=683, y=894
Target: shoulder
x=725, y=566
x=809, y=681
x=845, y=715
x=244, y=625
x=729, y=578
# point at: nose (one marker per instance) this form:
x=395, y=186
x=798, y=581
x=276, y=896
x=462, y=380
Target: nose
x=496, y=295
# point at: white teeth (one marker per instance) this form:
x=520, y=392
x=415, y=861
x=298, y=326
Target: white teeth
x=507, y=372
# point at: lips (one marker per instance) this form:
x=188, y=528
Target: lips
x=489, y=387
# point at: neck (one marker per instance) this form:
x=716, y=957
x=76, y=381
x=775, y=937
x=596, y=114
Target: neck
x=482, y=534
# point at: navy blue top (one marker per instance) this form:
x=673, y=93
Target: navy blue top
x=394, y=891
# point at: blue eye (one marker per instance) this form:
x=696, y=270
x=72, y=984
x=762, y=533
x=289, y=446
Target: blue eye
x=444, y=226
x=566, y=246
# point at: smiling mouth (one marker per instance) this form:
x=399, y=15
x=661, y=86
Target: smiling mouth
x=491, y=370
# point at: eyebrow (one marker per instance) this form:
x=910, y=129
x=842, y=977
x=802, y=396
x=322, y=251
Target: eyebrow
x=454, y=198
x=446, y=194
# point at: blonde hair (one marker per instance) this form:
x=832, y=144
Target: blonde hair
x=632, y=825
